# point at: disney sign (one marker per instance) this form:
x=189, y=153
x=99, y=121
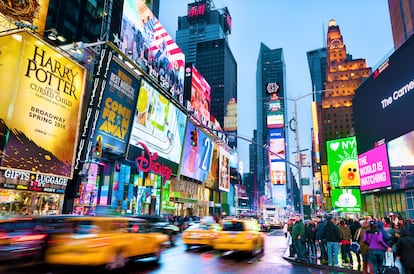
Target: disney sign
x=147, y=163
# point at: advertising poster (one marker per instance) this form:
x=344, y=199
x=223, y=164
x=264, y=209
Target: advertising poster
x=278, y=173
x=401, y=160
x=159, y=124
x=213, y=175
x=145, y=41
x=198, y=150
x=224, y=170
x=346, y=199
x=374, y=171
x=279, y=195
x=197, y=96
x=117, y=110
x=343, y=162
x=276, y=145
x=275, y=115
x=42, y=94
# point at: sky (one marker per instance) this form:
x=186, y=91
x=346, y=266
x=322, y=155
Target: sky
x=296, y=26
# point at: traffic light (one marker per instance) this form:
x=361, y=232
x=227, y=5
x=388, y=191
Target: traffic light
x=194, y=138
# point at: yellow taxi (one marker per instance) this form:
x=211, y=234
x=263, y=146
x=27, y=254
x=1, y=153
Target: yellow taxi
x=240, y=235
x=104, y=241
x=200, y=234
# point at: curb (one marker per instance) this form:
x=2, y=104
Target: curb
x=326, y=267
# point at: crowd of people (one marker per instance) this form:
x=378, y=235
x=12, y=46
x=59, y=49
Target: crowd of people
x=329, y=239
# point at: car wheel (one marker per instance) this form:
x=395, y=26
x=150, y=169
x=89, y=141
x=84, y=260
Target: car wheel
x=173, y=238
x=118, y=261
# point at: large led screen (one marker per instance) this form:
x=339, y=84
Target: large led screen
x=401, y=160
x=374, y=171
x=276, y=145
x=343, y=162
x=41, y=97
x=145, y=41
x=158, y=123
x=346, y=199
x=117, y=110
x=278, y=173
x=197, y=154
x=197, y=94
x=383, y=104
x=224, y=170
x=213, y=174
x=275, y=115
x=279, y=195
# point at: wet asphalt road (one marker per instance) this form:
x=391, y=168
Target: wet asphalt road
x=196, y=261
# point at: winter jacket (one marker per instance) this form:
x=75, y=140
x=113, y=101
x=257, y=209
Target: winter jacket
x=374, y=240
x=405, y=249
x=331, y=233
x=298, y=230
x=345, y=233
x=320, y=230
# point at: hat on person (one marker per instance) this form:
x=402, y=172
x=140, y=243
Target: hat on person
x=329, y=218
x=372, y=222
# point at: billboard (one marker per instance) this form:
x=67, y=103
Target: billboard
x=383, y=104
x=42, y=93
x=374, y=171
x=279, y=195
x=213, y=175
x=145, y=41
x=275, y=115
x=224, y=170
x=117, y=110
x=159, y=124
x=278, y=173
x=197, y=94
x=276, y=145
x=343, y=162
x=401, y=161
x=346, y=199
x=197, y=154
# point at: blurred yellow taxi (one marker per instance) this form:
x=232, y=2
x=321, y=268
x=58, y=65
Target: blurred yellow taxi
x=200, y=234
x=104, y=241
x=240, y=235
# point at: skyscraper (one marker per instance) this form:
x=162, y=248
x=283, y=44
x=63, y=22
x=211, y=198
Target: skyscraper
x=202, y=36
x=402, y=20
x=271, y=173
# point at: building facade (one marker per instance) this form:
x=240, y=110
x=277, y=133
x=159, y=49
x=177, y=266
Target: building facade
x=402, y=20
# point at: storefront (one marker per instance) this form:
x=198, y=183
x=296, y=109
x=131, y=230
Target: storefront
x=25, y=193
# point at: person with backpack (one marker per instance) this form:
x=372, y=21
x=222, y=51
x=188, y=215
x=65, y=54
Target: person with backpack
x=377, y=247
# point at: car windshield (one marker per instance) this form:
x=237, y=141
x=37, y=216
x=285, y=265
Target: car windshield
x=199, y=227
x=233, y=226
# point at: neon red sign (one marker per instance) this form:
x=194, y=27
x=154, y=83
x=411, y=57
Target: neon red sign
x=196, y=10
x=147, y=163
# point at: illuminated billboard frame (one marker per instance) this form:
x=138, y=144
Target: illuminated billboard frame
x=346, y=199
x=40, y=106
x=343, y=162
x=158, y=123
x=374, y=171
x=145, y=41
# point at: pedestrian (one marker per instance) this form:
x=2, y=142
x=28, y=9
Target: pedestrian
x=320, y=229
x=298, y=237
x=332, y=238
x=292, y=251
x=310, y=236
x=377, y=247
x=405, y=249
x=346, y=238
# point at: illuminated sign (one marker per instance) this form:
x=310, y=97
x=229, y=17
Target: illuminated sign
x=118, y=108
x=276, y=145
x=147, y=162
x=224, y=170
x=374, y=171
x=40, y=105
x=196, y=10
x=145, y=41
x=346, y=200
x=278, y=173
x=343, y=162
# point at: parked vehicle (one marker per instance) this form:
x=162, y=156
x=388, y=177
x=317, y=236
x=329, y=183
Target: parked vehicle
x=110, y=242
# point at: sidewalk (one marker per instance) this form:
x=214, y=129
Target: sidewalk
x=317, y=264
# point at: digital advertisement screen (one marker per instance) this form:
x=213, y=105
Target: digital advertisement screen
x=197, y=94
x=145, y=41
x=401, y=160
x=213, y=175
x=343, y=162
x=276, y=145
x=346, y=199
x=40, y=106
x=279, y=195
x=383, y=104
x=224, y=170
x=117, y=110
x=275, y=115
x=278, y=173
x=158, y=123
x=374, y=171
x=198, y=150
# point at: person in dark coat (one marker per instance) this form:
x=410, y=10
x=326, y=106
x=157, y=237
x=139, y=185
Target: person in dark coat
x=405, y=249
x=332, y=238
x=310, y=236
x=320, y=230
x=298, y=238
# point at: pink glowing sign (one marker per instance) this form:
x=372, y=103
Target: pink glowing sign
x=374, y=171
